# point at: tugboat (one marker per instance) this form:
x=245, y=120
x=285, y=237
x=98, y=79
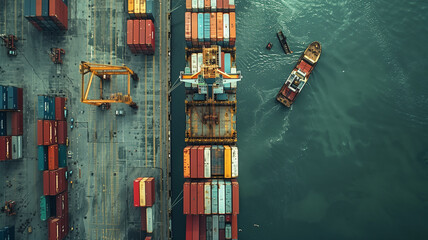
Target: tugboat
x=300, y=74
x=283, y=41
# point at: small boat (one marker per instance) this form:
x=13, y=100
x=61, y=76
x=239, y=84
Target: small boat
x=269, y=46
x=299, y=75
x=283, y=41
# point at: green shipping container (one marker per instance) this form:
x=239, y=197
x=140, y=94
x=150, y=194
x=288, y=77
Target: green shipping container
x=44, y=208
x=62, y=156
x=42, y=156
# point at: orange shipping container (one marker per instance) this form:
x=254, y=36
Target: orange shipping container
x=129, y=37
x=131, y=7
x=220, y=26
x=188, y=26
x=53, y=157
x=188, y=5
x=232, y=29
x=142, y=34
x=136, y=40
x=186, y=162
x=213, y=27
x=195, y=28
x=208, y=5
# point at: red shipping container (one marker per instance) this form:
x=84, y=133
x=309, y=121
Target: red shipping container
x=194, y=198
x=188, y=26
x=201, y=199
x=53, y=182
x=202, y=227
x=189, y=227
x=222, y=61
x=62, y=132
x=62, y=205
x=137, y=193
x=54, y=228
x=63, y=186
x=20, y=98
x=58, y=12
x=53, y=157
x=208, y=5
x=194, y=162
x=142, y=33
x=5, y=148
x=186, y=198
x=55, y=131
x=39, y=9
x=40, y=132
x=226, y=5
x=201, y=164
x=219, y=5
x=17, y=123
x=47, y=132
x=235, y=197
x=150, y=36
x=195, y=227
x=59, y=108
x=195, y=29
x=63, y=227
x=221, y=234
x=148, y=238
x=46, y=186
x=129, y=35
x=234, y=226
x=136, y=35
x=150, y=191
x=143, y=219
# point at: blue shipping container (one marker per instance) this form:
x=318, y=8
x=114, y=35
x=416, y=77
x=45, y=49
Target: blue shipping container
x=12, y=98
x=62, y=155
x=3, y=125
x=209, y=227
x=3, y=100
x=214, y=198
x=227, y=62
x=200, y=27
x=27, y=10
x=9, y=233
x=52, y=108
x=228, y=198
x=43, y=107
x=207, y=27
x=221, y=160
x=42, y=157
x=149, y=9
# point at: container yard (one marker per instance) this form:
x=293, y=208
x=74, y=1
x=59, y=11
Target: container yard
x=210, y=159
x=67, y=168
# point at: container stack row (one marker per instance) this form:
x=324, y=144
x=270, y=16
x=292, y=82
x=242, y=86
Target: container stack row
x=204, y=29
x=211, y=161
x=210, y=5
x=140, y=9
x=7, y=233
x=144, y=197
x=11, y=122
x=211, y=227
x=141, y=36
x=140, y=27
x=52, y=160
x=47, y=15
x=212, y=197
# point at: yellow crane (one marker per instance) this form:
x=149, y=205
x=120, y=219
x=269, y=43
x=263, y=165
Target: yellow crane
x=104, y=73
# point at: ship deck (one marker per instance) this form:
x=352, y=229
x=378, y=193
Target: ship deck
x=108, y=151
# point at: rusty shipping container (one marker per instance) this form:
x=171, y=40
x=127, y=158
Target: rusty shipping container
x=136, y=186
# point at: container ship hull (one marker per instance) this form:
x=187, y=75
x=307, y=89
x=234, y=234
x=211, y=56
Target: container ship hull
x=299, y=75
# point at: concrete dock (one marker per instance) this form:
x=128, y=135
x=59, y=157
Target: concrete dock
x=107, y=152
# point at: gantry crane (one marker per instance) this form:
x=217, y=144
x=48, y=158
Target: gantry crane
x=104, y=73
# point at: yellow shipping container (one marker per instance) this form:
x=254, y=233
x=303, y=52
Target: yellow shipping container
x=131, y=6
x=143, y=192
x=227, y=162
x=143, y=7
x=137, y=8
x=186, y=162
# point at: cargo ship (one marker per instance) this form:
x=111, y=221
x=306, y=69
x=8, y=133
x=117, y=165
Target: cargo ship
x=300, y=74
x=210, y=159
x=283, y=41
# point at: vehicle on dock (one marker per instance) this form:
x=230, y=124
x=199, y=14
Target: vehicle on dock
x=283, y=42
x=300, y=74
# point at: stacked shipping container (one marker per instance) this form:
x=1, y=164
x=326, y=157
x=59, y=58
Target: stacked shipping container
x=47, y=15
x=141, y=28
x=144, y=197
x=11, y=122
x=52, y=160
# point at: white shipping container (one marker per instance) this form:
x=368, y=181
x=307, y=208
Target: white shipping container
x=234, y=161
x=213, y=5
x=215, y=228
x=201, y=4
x=226, y=26
x=149, y=219
x=221, y=197
x=207, y=162
x=200, y=60
x=207, y=196
x=194, y=63
x=233, y=71
x=231, y=2
x=195, y=5
x=143, y=192
x=16, y=147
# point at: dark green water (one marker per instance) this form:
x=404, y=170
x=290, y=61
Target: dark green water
x=349, y=160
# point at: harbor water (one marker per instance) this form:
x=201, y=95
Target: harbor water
x=349, y=159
